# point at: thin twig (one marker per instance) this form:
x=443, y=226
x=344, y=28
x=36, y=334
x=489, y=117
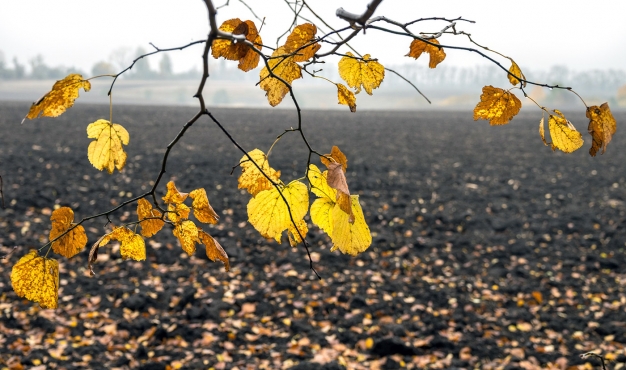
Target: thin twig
x=409, y=82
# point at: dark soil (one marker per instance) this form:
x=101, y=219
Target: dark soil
x=489, y=250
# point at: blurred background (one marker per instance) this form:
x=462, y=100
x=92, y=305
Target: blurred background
x=557, y=42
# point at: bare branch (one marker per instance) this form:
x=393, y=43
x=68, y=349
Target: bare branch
x=362, y=19
x=409, y=82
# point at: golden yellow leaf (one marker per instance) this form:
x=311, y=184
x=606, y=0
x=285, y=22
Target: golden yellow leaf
x=542, y=130
x=322, y=214
x=269, y=213
x=319, y=185
x=516, y=71
x=302, y=35
x=37, y=279
x=602, y=126
x=213, y=249
x=357, y=73
x=350, y=237
x=286, y=68
x=201, y=207
x=437, y=55
x=145, y=211
x=71, y=243
x=251, y=178
x=178, y=212
x=187, y=234
x=248, y=59
x=338, y=157
x=564, y=135
x=173, y=195
x=106, y=151
x=131, y=245
x=346, y=97
x=60, y=98
x=497, y=105
x=294, y=234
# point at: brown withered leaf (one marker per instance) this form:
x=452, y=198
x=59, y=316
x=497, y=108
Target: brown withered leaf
x=336, y=179
x=497, y=105
x=302, y=35
x=213, y=249
x=227, y=49
x=338, y=156
x=602, y=126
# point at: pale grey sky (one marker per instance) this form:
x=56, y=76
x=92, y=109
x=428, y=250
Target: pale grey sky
x=536, y=33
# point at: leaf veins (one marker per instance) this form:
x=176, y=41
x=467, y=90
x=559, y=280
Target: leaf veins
x=497, y=105
x=366, y=73
x=60, y=98
x=106, y=151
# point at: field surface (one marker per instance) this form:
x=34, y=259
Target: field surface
x=489, y=250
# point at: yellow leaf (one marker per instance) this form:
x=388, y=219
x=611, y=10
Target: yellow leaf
x=248, y=59
x=131, y=245
x=302, y=35
x=269, y=213
x=437, y=55
x=251, y=178
x=336, y=179
x=602, y=126
x=564, y=135
x=213, y=249
x=542, y=131
x=201, y=207
x=322, y=214
x=357, y=73
x=285, y=68
x=72, y=242
x=294, y=234
x=173, y=195
x=319, y=185
x=338, y=157
x=369, y=343
x=60, y=98
x=151, y=226
x=178, y=212
x=350, y=237
x=516, y=71
x=187, y=234
x=36, y=279
x=346, y=97
x=497, y=105
x=106, y=151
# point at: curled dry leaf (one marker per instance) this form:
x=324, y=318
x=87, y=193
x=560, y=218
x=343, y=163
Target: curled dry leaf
x=131, y=245
x=338, y=157
x=514, y=72
x=227, y=49
x=60, y=98
x=346, y=97
x=37, y=279
x=106, y=152
x=213, y=249
x=336, y=179
x=602, y=126
x=174, y=196
x=366, y=73
x=201, y=207
x=437, y=55
x=251, y=178
x=269, y=213
x=74, y=240
x=187, y=234
x=284, y=67
x=302, y=35
x=564, y=135
x=151, y=222
x=93, y=255
x=497, y=105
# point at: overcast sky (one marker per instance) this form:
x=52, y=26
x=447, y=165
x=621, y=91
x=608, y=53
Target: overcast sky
x=536, y=33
